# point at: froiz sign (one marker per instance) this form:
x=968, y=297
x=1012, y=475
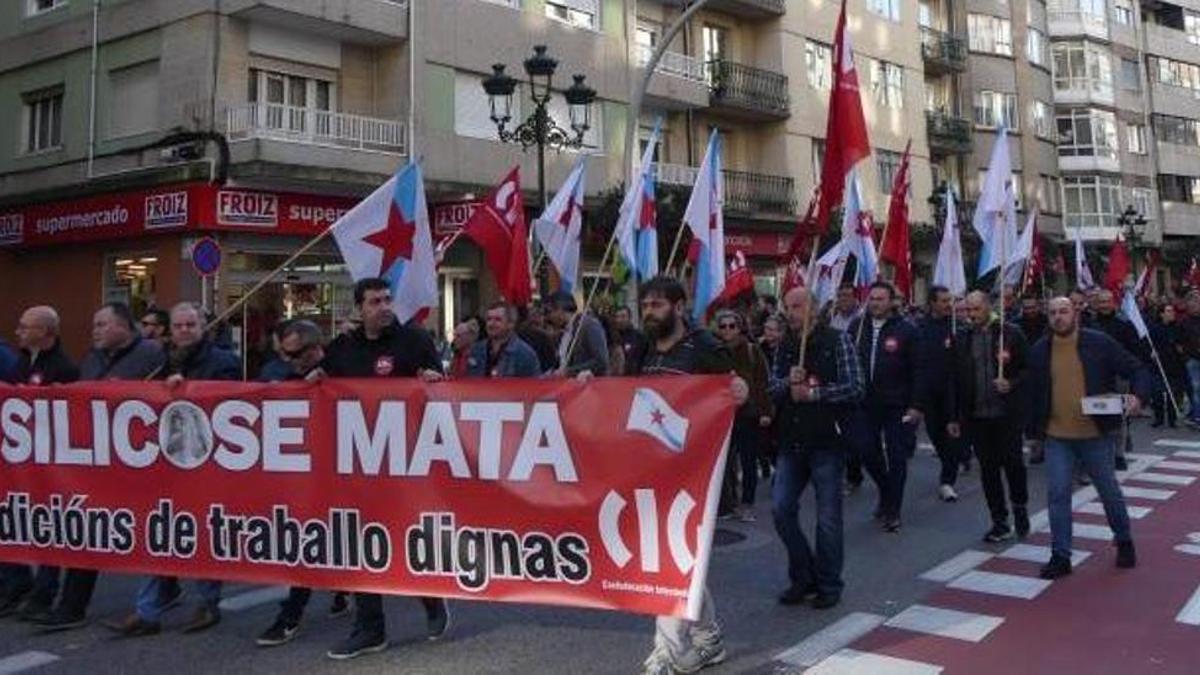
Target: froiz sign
x=239, y=208
x=12, y=228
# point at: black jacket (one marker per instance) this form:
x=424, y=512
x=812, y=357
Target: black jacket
x=816, y=425
x=1168, y=342
x=698, y=353
x=935, y=357
x=52, y=366
x=1104, y=359
x=897, y=381
x=400, y=351
x=139, y=360
x=1124, y=333
x=205, y=361
x=1033, y=327
x=1016, y=370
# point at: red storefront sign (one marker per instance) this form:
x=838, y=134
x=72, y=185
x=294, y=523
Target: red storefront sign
x=757, y=244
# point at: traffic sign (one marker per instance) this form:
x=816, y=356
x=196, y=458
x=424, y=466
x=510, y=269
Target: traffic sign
x=206, y=256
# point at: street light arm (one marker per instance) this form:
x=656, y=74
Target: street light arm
x=639, y=93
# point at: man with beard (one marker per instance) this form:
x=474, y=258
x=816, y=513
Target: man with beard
x=1107, y=322
x=120, y=352
x=1032, y=322
x=675, y=349
x=382, y=347
x=192, y=356
x=633, y=342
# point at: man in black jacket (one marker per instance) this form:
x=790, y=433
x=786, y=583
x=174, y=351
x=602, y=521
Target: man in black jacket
x=891, y=407
x=41, y=362
x=1106, y=321
x=986, y=399
x=382, y=347
x=936, y=355
x=119, y=352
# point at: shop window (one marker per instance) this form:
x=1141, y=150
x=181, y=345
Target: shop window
x=131, y=278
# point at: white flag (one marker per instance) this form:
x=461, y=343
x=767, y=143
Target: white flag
x=705, y=217
x=651, y=415
x=950, y=272
x=994, y=207
x=828, y=273
x=1130, y=309
x=1083, y=275
x=1022, y=253
x=559, y=227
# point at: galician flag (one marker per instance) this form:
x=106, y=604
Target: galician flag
x=705, y=217
x=1022, y=253
x=559, y=228
x=950, y=271
x=1083, y=274
x=387, y=235
x=637, y=228
x=858, y=233
x=995, y=211
x=827, y=274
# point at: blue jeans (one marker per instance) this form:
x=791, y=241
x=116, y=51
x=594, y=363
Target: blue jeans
x=793, y=472
x=151, y=603
x=885, y=443
x=1193, y=372
x=1095, y=455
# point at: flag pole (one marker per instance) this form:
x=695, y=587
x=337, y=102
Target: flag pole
x=674, y=248
x=812, y=300
x=1003, y=269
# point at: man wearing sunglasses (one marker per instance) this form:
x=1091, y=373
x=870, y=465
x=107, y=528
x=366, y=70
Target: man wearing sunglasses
x=155, y=325
x=752, y=416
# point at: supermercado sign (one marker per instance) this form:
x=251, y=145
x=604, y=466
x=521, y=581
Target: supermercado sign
x=509, y=491
x=184, y=207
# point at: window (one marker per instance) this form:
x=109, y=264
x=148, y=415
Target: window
x=1135, y=139
x=1035, y=48
x=1087, y=132
x=1143, y=201
x=133, y=108
x=39, y=6
x=290, y=101
x=1179, y=188
x=1177, y=130
x=1082, y=66
x=925, y=17
x=1091, y=201
x=887, y=84
x=1087, y=11
x=1174, y=73
x=472, y=113
x=716, y=41
x=1041, y=117
x=1191, y=26
x=995, y=109
x=1050, y=193
x=1123, y=12
x=888, y=9
x=1131, y=75
x=578, y=13
x=43, y=120
x=818, y=157
x=819, y=59
x=989, y=34
x=889, y=164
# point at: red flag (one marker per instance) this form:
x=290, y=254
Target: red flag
x=896, y=248
x=794, y=276
x=806, y=230
x=498, y=227
x=1145, y=280
x=845, y=130
x=1036, y=267
x=1193, y=275
x=738, y=282
x=1118, y=268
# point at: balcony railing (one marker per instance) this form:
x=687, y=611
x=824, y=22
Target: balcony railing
x=673, y=63
x=745, y=193
x=942, y=51
x=749, y=88
x=315, y=127
x=753, y=9
x=947, y=133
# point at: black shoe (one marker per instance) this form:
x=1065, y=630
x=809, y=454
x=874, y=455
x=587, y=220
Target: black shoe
x=133, y=626
x=357, y=644
x=1121, y=464
x=891, y=524
x=1037, y=456
x=1126, y=555
x=204, y=618
x=1156, y=424
x=437, y=620
x=1056, y=568
x=34, y=609
x=280, y=632
x=1021, y=522
x=340, y=606
x=60, y=620
x=798, y=595
x=878, y=515
x=999, y=532
x=825, y=601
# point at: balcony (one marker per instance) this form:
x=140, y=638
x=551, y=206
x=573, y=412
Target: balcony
x=679, y=81
x=368, y=22
x=747, y=92
x=943, y=53
x=1075, y=23
x=750, y=9
x=285, y=135
x=948, y=135
x=746, y=193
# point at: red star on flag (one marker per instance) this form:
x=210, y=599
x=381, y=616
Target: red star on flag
x=569, y=212
x=395, y=240
x=657, y=417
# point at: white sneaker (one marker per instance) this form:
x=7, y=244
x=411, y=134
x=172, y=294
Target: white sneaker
x=659, y=662
x=947, y=494
x=702, y=655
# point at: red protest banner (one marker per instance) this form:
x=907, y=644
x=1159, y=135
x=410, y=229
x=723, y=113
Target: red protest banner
x=601, y=495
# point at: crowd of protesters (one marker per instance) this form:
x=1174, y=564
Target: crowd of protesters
x=822, y=398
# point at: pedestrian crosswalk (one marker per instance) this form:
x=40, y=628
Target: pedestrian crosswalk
x=17, y=663
x=1163, y=478
x=948, y=623
x=853, y=662
x=997, y=583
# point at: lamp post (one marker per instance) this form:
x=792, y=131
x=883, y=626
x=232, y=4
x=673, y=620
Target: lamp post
x=1133, y=224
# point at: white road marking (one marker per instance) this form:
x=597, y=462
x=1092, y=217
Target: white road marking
x=957, y=566
x=1176, y=443
x=250, y=599
x=1178, y=466
x=1190, y=614
x=853, y=662
x=1164, y=478
x=24, y=661
x=1040, y=554
x=995, y=583
x=947, y=623
x=1135, y=512
x=1190, y=549
x=824, y=643
x=1090, y=531
x=1186, y=454
x=1147, y=493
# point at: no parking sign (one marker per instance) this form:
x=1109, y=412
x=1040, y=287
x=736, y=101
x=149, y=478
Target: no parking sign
x=206, y=256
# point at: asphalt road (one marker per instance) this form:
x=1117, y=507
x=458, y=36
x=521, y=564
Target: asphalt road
x=881, y=578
